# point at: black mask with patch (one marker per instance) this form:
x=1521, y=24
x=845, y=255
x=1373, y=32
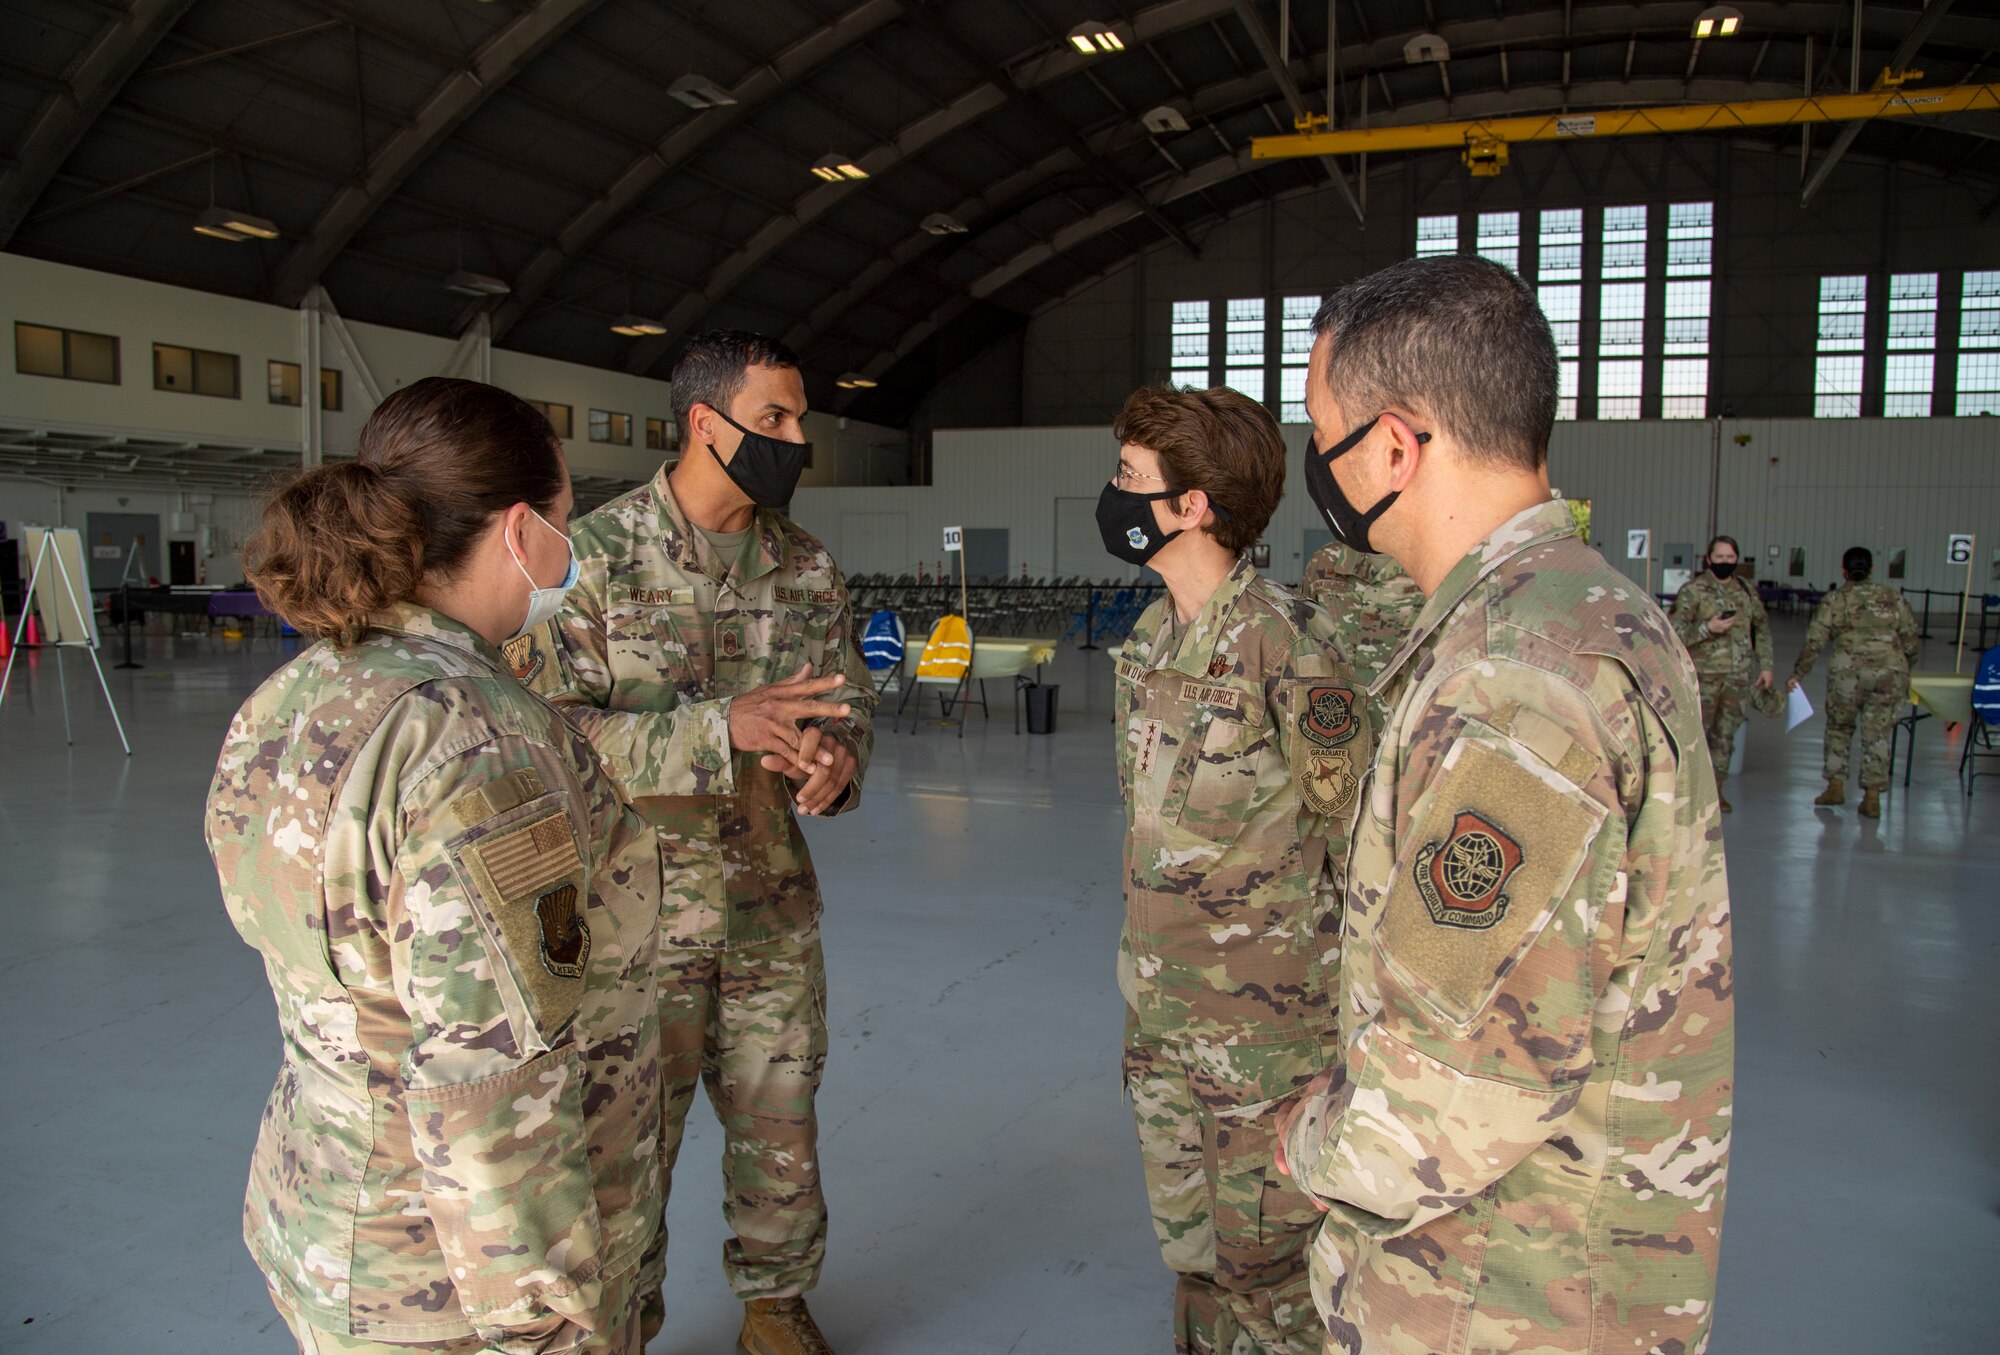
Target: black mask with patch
x=766, y=469
x=1722, y=569
x=1126, y=524
x=1348, y=524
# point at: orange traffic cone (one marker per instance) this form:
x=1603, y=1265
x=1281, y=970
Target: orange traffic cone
x=6, y=635
x=34, y=632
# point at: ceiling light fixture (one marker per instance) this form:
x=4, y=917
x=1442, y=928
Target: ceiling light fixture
x=636, y=326
x=467, y=283
x=699, y=92
x=1717, y=21
x=942, y=223
x=1093, y=37
x=226, y=223
x=838, y=168
x=1426, y=47
x=855, y=381
x=1164, y=120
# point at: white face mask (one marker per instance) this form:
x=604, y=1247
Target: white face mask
x=544, y=603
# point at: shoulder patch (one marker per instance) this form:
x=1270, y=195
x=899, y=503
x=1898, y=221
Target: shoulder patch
x=1463, y=878
x=526, y=881
x=1329, y=716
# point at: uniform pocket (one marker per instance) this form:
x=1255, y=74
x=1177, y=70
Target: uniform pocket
x=658, y=645
x=529, y=888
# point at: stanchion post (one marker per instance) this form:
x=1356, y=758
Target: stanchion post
x=1090, y=621
x=125, y=597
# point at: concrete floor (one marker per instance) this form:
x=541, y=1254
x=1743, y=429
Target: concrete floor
x=981, y=1170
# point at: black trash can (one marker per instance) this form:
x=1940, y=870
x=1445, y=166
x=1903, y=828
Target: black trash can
x=1042, y=706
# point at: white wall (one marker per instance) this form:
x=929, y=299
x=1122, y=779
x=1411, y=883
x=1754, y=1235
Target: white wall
x=142, y=313
x=1824, y=485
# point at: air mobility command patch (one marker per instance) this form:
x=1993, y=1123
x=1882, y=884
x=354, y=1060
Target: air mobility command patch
x=1463, y=878
x=1329, y=718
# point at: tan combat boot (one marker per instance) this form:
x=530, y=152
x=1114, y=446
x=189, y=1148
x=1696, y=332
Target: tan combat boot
x=1871, y=804
x=1834, y=794
x=780, y=1327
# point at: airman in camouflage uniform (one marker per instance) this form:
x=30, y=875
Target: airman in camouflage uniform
x=1873, y=639
x=457, y=913
x=1372, y=601
x=654, y=642
x=1734, y=665
x=1243, y=738
x=1523, y=1148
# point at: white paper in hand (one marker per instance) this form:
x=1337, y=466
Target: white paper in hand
x=1798, y=710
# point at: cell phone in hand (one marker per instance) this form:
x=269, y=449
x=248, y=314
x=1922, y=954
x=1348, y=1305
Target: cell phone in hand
x=1726, y=615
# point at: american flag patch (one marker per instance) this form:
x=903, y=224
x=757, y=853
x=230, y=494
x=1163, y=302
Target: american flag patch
x=522, y=859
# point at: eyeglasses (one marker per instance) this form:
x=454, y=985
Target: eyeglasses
x=1125, y=478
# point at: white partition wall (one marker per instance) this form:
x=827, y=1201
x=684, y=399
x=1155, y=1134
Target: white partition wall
x=1819, y=486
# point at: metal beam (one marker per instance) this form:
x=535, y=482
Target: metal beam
x=89, y=85
x=645, y=173
x=500, y=59
x=1669, y=118
x=330, y=315
x=1906, y=52
x=1290, y=88
x=999, y=87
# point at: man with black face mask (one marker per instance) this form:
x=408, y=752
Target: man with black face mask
x=1728, y=635
x=688, y=655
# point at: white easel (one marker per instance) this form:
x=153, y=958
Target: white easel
x=88, y=641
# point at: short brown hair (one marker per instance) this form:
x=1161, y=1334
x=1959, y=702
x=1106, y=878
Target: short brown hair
x=437, y=460
x=1219, y=441
x=1461, y=340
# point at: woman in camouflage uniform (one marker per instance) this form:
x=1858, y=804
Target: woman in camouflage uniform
x=1242, y=739
x=1871, y=635
x=1722, y=622
x=456, y=911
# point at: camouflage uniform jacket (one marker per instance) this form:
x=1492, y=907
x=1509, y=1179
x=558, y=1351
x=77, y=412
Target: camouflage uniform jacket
x=1868, y=625
x=1372, y=601
x=1746, y=650
x=456, y=912
x=1525, y=1146
x=1240, y=753
x=656, y=639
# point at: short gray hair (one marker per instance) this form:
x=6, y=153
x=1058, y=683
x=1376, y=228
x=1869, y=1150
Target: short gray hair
x=1461, y=339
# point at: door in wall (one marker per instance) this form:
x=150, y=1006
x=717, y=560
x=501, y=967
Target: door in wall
x=875, y=543
x=110, y=538
x=180, y=563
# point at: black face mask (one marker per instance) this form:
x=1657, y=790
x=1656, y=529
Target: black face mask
x=1348, y=524
x=1722, y=569
x=1125, y=521
x=766, y=469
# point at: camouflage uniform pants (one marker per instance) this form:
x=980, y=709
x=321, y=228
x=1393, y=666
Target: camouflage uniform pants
x=621, y=1339
x=750, y=1025
x=1872, y=697
x=1723, y=698
x=1237, y=1233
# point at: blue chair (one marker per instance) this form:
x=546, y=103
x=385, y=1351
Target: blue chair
x=882, y=643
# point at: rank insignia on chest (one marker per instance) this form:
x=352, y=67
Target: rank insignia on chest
x=1147, y=735
x=730, y=644
x=1463, y=879
x=1328, y=780
x=1328, y=719
x=565, y=936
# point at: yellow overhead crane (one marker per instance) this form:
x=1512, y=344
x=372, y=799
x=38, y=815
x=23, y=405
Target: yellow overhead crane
x=1482, y=142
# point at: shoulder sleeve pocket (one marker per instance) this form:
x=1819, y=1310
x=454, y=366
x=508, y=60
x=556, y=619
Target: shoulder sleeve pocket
x=1489, y=861
x=528, y=886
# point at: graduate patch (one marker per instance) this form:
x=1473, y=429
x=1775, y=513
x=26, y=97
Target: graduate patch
x=565, y=936
x=525, y=658
x=1328, y=779
x=1463, y=879
x=1328, y=718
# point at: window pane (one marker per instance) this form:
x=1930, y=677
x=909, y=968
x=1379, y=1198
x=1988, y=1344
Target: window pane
x=1618, y=387
x=1564, y=308
x=38, y=350
x=656, y=435
x=93, y=357
x=621, y=429
x=173, y=368
x=1624, y=242
x=1978, y=383
x=1190, y=341
x=560, y=418
x=1292, y=395
x=215, y=374
x=1690, y=238
x=1295, y=336
x=1621, y=327
x=1500, y=238
x=600, y=425
x=1243, y=338
x=1843, y=313
x=1566, y=376
x=1837, y=388
x=1560, y=256
x=1437, y=235
x=1684, y=388
x=329, y=388
x=1249, y=380
x=283, y=382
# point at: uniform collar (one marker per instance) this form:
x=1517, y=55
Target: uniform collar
x=1530, y=527
x=679, y=536
x=421, y=623
x=1203, y=636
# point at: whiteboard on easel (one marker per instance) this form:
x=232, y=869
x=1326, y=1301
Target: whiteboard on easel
x=62, y=586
